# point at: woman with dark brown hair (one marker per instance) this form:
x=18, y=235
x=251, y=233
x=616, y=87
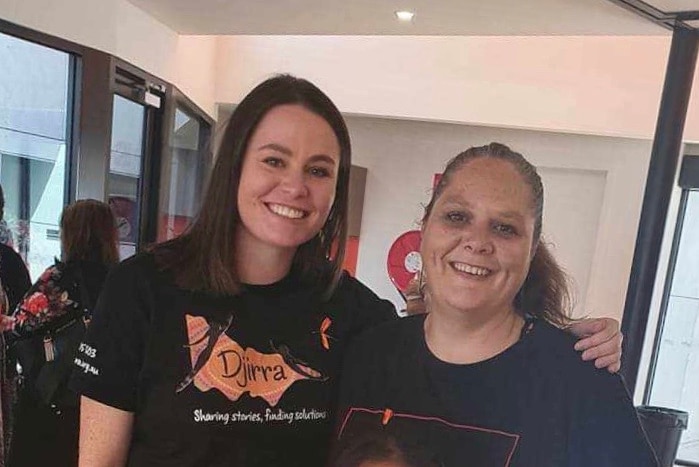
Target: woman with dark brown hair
x=48, y=325
x=488, y=377
x=223, y=347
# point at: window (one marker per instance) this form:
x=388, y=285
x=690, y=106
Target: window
x=131, y=132
x=185, y=165
x=125, y=164
x=35, y=130
x=674, y=375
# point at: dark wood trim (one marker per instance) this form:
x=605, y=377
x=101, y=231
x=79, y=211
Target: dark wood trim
x=150, y=176
x=74, y=101
x=140, y=74
x=96, y=105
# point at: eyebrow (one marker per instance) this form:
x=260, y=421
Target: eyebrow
x=275, y=147
x=286, y=151
x=511, y=215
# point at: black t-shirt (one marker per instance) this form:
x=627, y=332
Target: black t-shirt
x=14, y=276
x=267, y=391
x=536, y=405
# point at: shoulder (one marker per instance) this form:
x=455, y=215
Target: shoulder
x=553, y=349
x=52, y=272
x=9, y=256
x=138, y=265
x=351, y=287
x=363, y=306
x=547, y=337
x=137, y=272
x=383, y=338
x=550, y=343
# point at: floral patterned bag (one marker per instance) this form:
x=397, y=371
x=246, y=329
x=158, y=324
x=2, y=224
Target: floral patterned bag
x=50, y=323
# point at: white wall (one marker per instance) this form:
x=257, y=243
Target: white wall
x=595, y=187
x=589, y=85
x=195, y=70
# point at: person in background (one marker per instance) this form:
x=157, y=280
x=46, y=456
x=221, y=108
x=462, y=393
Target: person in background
x=14, y=282
x=47, y=433
x=224, y=346
x=487, y=376
x=13, y=272
x=5, y=232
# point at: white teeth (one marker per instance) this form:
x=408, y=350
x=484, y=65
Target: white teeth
x=468, y=269
x=286, y=211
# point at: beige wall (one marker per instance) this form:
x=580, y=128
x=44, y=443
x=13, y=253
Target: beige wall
x=588, y=85
x=195, y=70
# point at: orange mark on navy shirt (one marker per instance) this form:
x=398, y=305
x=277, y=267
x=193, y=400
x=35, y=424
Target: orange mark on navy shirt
x=324, y=337
x=387, y=416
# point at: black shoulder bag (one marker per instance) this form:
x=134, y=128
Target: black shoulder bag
x=46, y=354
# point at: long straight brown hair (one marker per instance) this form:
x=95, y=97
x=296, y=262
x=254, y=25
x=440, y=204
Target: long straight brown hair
x=203, y=258
x=89, y=233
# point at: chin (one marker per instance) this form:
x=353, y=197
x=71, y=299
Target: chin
x=290, y=242
x=467, y=304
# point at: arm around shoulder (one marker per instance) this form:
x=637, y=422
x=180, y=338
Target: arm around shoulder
x=369, y=310
x=105, y=434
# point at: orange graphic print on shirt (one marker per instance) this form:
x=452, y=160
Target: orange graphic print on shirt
x=234, y=370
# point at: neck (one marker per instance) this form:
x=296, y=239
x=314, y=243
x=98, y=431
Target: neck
x=260, y=266
x=464, y=338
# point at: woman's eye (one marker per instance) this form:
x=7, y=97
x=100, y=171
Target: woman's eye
x=320, y=172
x=273, y=161
x=456, y=217
x=505, y=229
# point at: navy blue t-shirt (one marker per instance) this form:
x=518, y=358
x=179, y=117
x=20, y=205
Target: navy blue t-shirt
x=263, y=393
x=536, y=404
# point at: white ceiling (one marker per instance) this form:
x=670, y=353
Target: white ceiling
x=375, y=17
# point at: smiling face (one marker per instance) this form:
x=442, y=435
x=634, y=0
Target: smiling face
x=288, y=180
x=477, y=242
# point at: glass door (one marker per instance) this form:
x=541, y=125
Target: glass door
x=133, y=179
x=125, y=170
x=674, y=373
x=185, y=166
x=36, y=108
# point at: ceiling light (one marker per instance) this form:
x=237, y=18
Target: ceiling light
x=405, y=15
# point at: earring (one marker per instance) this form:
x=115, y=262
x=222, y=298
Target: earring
x=422, y=283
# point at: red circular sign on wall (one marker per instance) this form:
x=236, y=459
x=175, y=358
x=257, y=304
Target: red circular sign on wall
x=404, y=260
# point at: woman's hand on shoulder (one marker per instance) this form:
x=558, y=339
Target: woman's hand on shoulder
x=600, y=340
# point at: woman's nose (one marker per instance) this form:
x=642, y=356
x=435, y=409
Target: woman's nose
x=294, y=183
x=478, y=240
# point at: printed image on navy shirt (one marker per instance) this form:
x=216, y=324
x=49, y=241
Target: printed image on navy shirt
x=235, y=370
x=420, y=441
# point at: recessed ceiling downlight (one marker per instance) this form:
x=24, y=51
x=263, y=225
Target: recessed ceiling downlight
x=405, y=15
